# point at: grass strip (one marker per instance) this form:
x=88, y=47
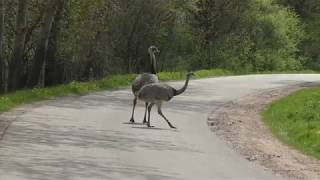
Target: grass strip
x=295, y=120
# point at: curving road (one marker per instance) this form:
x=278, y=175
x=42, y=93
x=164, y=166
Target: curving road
x=86, y=138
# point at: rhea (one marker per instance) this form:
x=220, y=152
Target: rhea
x=157, y=93
x=144, y=79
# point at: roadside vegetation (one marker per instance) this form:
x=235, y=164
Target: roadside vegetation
x=45, y=43
x=16, y=98
x=296, y=120
x=20, y=97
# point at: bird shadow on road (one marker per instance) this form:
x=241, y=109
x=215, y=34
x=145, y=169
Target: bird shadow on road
x=135, y=123
x=154, y=128
x=138, y=125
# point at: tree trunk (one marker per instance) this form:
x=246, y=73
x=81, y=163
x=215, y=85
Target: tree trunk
x=3, y=62
x=17, y=59
x=54, y=70
x=38, y=72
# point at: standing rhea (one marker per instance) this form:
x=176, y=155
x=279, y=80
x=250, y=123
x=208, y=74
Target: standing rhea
x=157, y=93
x=144, y=79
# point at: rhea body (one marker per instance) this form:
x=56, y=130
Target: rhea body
x=144, y=79
x=157, y=93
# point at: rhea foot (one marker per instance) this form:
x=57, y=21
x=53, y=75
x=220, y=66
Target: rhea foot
x=148, y=124
x=144, y=121
x=171, y=125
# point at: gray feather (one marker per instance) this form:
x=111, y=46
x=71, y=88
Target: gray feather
x=142, y=80
x=156, y=92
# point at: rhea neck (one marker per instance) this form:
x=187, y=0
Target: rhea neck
x=180, y=91
x=153, y=62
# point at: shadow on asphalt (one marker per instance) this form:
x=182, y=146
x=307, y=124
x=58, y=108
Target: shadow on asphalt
x=135, y=123
x=121, y=101
x=155, y=128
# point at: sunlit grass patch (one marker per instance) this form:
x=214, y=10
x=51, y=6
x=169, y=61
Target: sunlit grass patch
x=296, y=120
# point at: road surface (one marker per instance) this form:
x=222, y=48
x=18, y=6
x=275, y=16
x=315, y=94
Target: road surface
x=86, y=137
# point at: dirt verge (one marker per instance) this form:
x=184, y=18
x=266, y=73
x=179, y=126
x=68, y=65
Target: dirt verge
x=239, y=123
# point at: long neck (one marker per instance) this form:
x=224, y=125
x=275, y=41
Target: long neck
x=181, y=90
x=153, y=63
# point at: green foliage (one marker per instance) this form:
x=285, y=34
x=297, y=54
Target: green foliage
x=260, y=35
x=308, y=12
x=95, y=39
x=296, y=120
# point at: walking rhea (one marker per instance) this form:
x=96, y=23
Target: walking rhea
x=157, y=93
x=144, y=79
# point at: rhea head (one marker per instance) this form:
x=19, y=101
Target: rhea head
x=153, y=50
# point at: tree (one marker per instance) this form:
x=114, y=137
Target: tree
x=309, y=13
x=54, y=67
x=37, y=74
x=216, y=18
x=19, y=42
x=3, y=61
x=58, y=41
x=250, y=35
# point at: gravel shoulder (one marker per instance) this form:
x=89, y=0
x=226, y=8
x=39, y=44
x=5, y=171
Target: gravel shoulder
x=240, y=124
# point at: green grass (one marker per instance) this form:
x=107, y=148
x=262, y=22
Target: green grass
x=296, y=120
x=17, y=98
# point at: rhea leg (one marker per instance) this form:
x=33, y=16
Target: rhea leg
x=134, y=106
x=145, y=114
x=161, y=114
x=149, y=112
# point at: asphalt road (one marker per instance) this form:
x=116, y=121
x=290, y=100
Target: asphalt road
x=86, y=137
